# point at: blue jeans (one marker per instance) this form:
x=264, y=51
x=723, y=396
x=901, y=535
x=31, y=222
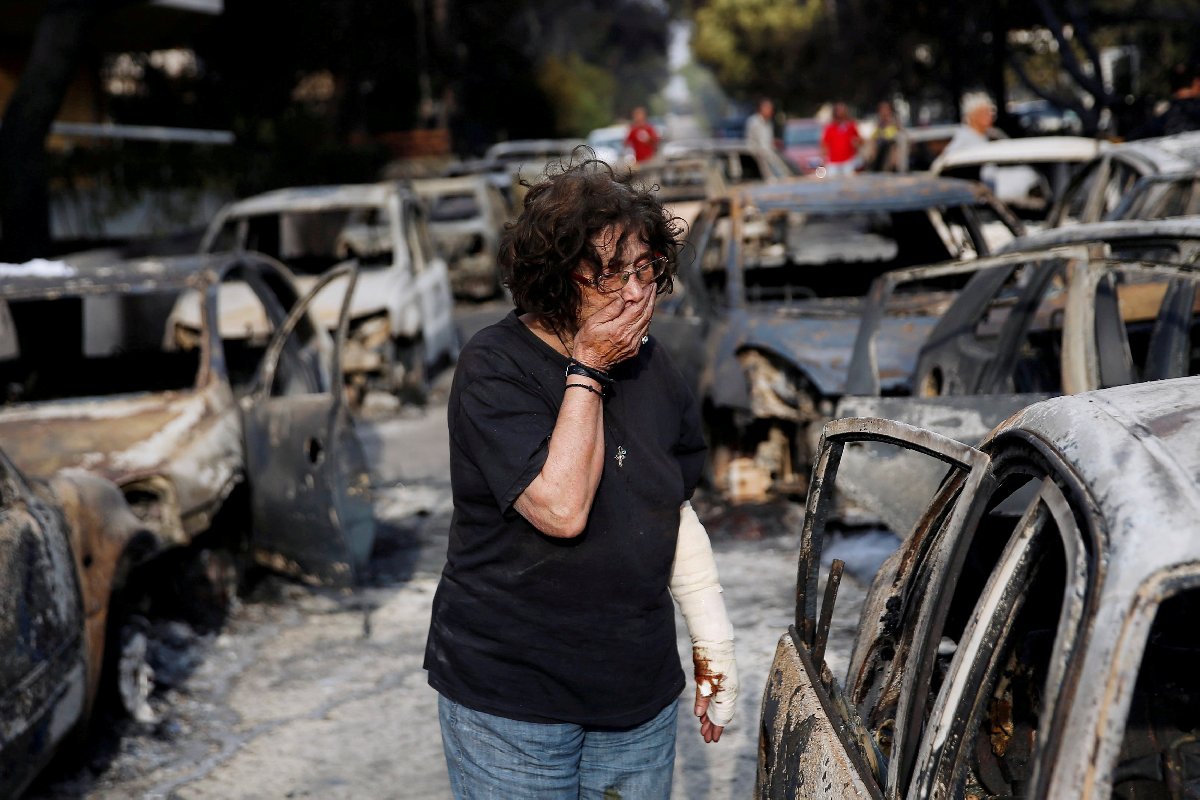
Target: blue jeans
x=494, y=757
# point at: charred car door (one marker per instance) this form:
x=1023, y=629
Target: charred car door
x=309, y=489
x=997, y=719
x=816, y=738
x=431, y=282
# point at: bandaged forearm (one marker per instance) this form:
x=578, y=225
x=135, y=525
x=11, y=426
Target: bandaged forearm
x=697, y=589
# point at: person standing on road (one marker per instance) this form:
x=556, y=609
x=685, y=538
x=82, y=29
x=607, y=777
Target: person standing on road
x=839, y=143
x=889, y=150
x=760, y=126
x=575, y=445
x=642, y=138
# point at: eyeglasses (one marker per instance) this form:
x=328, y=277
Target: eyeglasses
x=647, y=272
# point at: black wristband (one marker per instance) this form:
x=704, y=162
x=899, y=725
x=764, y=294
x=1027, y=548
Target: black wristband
x=599, y=392
x=584, y=371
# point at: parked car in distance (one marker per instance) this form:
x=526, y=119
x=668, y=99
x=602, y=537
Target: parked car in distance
x=1104, y=188
x=766, y=304
x=1028, y=175
x=1041, y=118
x=739, y=161
x=609, y=144
x=466, y=217
x=682, y=184
x=526, y=159
x=926, y=143
x=802, y=145
x=1034, y=635
x=401, y=326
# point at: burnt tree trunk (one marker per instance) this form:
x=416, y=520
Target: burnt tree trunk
x=24, y=173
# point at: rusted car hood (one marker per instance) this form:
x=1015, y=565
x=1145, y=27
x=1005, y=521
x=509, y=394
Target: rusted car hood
x=819, y=339
x=119, y=438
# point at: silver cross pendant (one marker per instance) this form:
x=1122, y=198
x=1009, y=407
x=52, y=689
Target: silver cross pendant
x=620, y=456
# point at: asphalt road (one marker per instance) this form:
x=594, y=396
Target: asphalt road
x=310, y=693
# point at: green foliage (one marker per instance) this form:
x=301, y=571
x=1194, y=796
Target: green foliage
x=580, y=93
x=752, y=45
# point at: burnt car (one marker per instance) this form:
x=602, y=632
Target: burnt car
x=466, y=216
x=738, y=160
x=189, y=417
x=62, y=546
x=401, y=328
x=768, y=299
x=1118, y=307
x=1145, y=179
x=1062, y=319
x=1028, y=175
x=1034, y=635
x=682, y=184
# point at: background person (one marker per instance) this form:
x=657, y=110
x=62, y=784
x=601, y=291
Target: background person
x=760, y=126
x=979, y=115
x=575, y=445
x=889, y=150
x=642, y=137
x=840, y=142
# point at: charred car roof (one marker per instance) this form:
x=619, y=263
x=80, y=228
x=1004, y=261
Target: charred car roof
x=867, y=191
x=89, y=275
x=316, y=198
x=1082, y=233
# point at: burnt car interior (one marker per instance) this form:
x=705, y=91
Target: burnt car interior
x=1009, y=336
x=129, y=342
x=312, y=242
x=1160, y=750
x=789, y=255
x=273, y=299
x=92, y=346
x=454, y=207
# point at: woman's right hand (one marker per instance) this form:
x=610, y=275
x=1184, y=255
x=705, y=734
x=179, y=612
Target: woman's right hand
x=614, y=333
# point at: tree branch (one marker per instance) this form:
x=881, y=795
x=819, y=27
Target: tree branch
x=1070, y=63
x=1087, y=115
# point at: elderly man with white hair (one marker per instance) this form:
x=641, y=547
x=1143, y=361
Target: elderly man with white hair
x=979, y=114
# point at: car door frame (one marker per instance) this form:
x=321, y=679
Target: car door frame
x=940, y=558
x=1082, y=359
x=946, y=742
x=430, y=282
x=320, y=469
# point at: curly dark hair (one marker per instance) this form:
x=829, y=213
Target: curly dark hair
x=553, y=236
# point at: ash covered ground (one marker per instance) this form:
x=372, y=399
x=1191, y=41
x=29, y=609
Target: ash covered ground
x=303, y=692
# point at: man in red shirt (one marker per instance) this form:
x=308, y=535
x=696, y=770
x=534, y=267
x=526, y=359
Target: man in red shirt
x=642, y=138
x=839, y=143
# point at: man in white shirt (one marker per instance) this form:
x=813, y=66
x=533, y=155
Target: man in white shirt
x=760, y=126
x=979, y=114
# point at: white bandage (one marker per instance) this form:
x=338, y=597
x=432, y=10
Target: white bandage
x=697, y=589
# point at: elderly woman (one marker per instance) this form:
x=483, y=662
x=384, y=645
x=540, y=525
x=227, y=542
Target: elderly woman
x=575, y=445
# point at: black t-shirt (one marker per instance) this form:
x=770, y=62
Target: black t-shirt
x=540, y=629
